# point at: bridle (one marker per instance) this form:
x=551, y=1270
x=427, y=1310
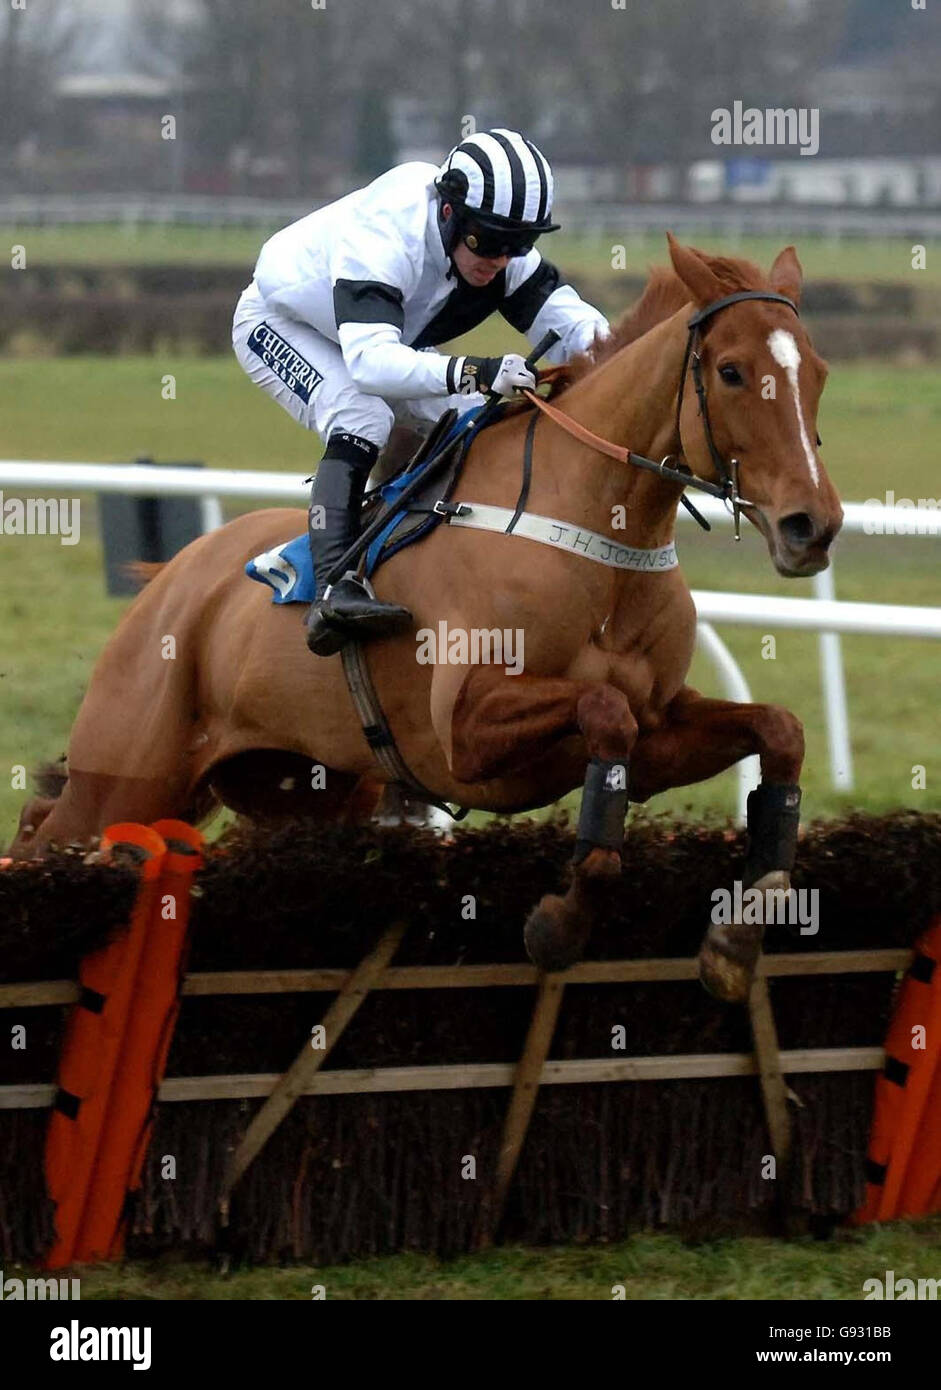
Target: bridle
x=727, y=486
x=692, y=359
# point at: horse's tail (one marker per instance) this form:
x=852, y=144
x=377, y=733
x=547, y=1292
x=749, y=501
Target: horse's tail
x=143, y=571
x=50, y=778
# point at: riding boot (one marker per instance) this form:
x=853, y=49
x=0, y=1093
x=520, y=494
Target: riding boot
x=348, y=608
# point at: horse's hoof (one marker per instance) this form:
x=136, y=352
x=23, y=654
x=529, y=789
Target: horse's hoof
x=730, y=952
x=553, y=935
x=725, y=979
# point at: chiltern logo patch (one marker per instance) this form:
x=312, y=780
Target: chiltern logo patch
x=285, y=361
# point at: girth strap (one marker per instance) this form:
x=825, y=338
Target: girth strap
x=527, y=474
x=376, y=730
x=565, y=536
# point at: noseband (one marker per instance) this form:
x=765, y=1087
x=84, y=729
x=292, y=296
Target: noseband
x=692, y=359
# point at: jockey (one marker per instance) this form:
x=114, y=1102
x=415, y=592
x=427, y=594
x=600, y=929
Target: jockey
x=346, y=306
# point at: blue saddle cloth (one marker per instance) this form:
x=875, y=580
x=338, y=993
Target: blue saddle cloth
x=288, y=569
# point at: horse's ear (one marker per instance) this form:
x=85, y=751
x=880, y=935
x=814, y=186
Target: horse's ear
x=786, y=276
x=694, y=272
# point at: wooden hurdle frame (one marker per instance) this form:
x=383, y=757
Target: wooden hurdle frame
x=532, y=1070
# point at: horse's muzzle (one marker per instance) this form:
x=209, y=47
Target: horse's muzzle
x=800, y=542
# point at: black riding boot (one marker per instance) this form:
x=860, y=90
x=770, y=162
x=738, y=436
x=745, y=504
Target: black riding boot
x=348, y=608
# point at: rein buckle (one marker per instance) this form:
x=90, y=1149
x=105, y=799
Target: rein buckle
x=733, y=498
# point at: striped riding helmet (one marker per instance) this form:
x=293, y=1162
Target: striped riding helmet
x=500, y=185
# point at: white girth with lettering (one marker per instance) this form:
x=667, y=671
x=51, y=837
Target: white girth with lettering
x=563, y=535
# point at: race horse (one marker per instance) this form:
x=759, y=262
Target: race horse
x=206, y=692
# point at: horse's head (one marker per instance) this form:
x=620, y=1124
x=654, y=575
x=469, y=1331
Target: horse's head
x=762, y=381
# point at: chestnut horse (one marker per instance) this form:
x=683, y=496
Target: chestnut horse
x=206, y=692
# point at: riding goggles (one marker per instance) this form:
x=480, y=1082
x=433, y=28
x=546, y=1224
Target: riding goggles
x=492, y=242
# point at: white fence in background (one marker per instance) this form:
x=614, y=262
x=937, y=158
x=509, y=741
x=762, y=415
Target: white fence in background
x=727, y=218
x=823, y=614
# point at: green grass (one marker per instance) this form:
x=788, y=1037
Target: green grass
x=143, y=244
x=822, y=257
x=880, y=425
x=881, y=428
x=648, y=1266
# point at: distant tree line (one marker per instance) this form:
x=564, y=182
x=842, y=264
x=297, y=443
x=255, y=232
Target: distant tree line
x=308, y=89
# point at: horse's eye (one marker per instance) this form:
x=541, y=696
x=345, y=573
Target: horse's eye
x=730, y=375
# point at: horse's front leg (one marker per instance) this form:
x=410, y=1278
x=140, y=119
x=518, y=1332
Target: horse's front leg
x=699, y=739
x=499, y=724
x=558, y=928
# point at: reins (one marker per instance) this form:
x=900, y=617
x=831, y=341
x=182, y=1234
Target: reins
x=727, y=487
x=623, y=455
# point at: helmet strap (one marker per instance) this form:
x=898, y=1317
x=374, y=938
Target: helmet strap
x=450, y=226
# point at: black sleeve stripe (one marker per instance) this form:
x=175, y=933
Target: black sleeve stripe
x=367, y=301
x=451, y=375
x=522, y=306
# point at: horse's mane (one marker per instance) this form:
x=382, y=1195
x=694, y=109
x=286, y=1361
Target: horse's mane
x=663, y=295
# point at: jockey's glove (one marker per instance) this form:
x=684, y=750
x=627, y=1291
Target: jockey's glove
x=500, y=375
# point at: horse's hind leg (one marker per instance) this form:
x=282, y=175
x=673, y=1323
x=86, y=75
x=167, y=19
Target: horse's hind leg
x=31, y=818
x=90, y=802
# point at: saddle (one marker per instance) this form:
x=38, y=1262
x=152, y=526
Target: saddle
x=442, y=455
x=287, y=569
x=441, y=458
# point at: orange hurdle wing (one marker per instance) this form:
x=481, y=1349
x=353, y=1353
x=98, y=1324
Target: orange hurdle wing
x=156, y=1005
x=904, y=1154
x=92, y=1049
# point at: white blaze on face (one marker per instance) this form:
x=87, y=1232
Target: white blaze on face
x=784, y=351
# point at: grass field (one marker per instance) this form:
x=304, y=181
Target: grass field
x=648, y=1266
x=881, y=428
x=822, y=257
